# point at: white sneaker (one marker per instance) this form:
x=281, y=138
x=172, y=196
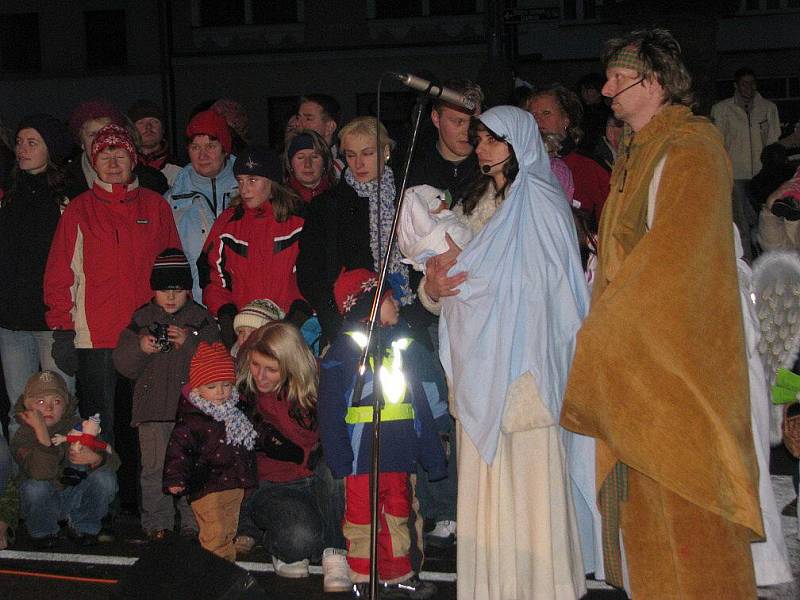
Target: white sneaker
x=295, y=570
x=336, y=571
x=443, y=535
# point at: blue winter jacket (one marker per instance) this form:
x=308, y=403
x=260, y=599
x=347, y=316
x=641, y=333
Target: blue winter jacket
x=196, y=203
x=347, y=447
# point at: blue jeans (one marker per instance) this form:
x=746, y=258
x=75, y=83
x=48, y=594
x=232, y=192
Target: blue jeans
x=286, y=517
x=437, y=499
x=24, y=353
x=330, y=496
x=83, y=505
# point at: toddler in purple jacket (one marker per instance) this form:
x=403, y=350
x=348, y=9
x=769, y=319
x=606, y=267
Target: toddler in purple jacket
x=210, y=455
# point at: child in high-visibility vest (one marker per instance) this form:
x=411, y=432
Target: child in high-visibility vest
x=408, y=434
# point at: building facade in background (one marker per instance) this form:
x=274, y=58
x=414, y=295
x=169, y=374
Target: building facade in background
x=266, y=53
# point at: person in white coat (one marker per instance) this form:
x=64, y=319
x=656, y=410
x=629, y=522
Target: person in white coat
x=748, y=123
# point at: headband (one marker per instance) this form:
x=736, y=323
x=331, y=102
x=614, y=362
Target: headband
x=627, y=58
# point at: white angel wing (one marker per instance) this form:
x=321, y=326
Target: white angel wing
x=776, y=284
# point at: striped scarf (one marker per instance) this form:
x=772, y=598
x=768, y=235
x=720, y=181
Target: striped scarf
x=380, y=226
x=238, y=428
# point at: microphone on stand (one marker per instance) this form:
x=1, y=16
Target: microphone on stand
x=437, y=91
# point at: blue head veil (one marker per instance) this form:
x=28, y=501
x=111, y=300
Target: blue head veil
x=525, y=296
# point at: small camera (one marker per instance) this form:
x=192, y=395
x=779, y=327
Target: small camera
x=159, y=331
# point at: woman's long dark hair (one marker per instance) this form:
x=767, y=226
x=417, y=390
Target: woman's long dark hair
x=56, y=183
x=477, y=187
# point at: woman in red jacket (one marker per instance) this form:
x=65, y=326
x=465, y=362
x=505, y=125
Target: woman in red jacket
x=98, y=269
x=253, y=245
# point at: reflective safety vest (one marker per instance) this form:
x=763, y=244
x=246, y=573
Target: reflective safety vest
x=393, y=385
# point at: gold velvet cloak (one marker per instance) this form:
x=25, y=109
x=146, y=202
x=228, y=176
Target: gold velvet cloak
x=660, y=374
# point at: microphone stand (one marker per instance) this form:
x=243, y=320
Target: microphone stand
x=377, y=351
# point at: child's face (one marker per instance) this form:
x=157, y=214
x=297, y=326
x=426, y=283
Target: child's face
x=172, y=300
x=266, y=372
x=217, y=392
x=442, y=206
x=243, y=333
x=390, y=311
x=50, y=406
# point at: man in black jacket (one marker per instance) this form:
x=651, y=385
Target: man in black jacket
x=449, y=162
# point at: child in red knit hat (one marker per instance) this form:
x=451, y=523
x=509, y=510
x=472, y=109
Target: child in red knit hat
x=408, y=434
x=210, y=456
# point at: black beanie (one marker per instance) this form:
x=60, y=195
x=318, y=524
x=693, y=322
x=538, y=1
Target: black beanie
x=171, y=271
x=145, y=108
x=54, y=133
x=259, y=161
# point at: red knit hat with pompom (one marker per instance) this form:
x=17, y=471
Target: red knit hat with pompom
x=114, y=136
x=211, y=363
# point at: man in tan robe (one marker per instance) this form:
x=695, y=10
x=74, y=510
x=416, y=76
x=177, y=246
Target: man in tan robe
x=660, y=374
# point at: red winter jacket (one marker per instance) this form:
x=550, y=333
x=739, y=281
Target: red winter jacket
x=250, y=256
x=591, y=183
x=98, y=270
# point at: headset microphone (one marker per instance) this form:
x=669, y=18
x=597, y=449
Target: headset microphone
x=487, y=168
x=625, y=89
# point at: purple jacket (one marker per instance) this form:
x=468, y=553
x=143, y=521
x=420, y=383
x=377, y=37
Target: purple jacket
x=199, y=459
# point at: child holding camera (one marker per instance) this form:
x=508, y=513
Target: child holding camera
x=155, y=351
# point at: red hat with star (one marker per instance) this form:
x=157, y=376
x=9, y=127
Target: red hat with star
x=353, y=292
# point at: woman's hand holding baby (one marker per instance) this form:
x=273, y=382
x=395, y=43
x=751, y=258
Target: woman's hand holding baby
x=437, y=283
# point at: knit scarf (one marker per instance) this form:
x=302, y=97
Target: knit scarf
x=156, y=159
x=307, y=194
x=380, y=226
x=238, y=428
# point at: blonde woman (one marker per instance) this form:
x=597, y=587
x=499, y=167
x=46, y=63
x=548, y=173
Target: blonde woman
x=290, y=510
x=348, y=226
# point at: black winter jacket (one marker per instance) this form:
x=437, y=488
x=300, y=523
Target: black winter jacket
x=28, y=223
x=429, y=167
x=335, y=236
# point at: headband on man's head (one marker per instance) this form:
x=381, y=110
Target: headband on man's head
x=627, y=57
